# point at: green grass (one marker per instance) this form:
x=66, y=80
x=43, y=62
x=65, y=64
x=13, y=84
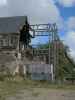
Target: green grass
x=8, y=88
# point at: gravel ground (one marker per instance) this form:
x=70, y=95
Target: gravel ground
x=43, y=94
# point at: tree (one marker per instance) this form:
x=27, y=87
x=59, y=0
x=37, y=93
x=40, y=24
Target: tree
x=70, y=67
x=65, y=65
x=25, y=36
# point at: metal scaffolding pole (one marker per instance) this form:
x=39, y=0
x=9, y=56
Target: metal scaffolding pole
x=42, y=30
x=49, y=48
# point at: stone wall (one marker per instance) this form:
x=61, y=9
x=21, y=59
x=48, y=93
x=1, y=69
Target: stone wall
x=7, y=61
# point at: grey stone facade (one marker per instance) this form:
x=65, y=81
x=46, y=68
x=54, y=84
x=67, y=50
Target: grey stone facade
x=9, y=42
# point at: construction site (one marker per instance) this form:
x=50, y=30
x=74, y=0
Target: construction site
x=31, y=70
x=37, y=49
x=36, y=61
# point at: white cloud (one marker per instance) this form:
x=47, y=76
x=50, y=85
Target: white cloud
x=38, y=11
x=71, y=23
x=3, y=2
x=70, y=41
x=66, y=3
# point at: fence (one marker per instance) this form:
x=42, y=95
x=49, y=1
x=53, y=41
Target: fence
x=39, y=71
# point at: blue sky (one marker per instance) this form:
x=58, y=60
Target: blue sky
x=67, y=13
x=61, y=12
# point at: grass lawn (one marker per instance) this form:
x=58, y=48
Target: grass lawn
x=8, y=88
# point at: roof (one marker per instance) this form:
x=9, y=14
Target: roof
x=11, y=24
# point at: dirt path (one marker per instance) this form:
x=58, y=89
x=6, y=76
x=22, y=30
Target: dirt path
x=43, y=94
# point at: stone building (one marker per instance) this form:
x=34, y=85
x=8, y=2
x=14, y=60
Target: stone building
x=12, y=63
x=9, y=41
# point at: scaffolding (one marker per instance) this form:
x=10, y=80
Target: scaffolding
x=49, y=30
